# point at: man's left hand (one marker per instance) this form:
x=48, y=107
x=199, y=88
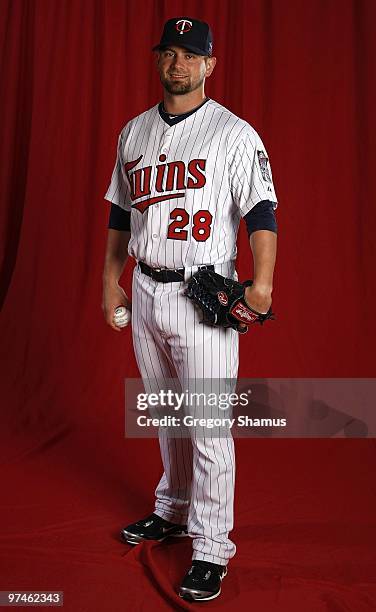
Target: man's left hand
x=258, y=298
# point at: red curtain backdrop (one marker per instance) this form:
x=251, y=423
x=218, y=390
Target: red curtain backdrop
x=73, y=72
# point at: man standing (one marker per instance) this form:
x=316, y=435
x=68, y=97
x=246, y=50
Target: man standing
x=187, y=171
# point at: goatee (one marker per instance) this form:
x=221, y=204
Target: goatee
x=177, y=89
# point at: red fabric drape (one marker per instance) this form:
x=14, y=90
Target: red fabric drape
x=73, y=73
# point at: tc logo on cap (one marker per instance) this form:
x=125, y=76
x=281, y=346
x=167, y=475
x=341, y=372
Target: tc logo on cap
x=183, y=25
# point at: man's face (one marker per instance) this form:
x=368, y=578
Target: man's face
x=181, y=71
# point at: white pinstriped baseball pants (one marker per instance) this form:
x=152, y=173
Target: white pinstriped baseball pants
x=197, y=486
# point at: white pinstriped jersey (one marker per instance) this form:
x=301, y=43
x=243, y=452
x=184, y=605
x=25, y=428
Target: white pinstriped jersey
x=188, y=185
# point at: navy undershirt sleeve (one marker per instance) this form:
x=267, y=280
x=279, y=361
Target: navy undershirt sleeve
x=119, y=219
x=261, y=217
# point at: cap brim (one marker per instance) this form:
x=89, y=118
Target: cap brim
x=194, y=50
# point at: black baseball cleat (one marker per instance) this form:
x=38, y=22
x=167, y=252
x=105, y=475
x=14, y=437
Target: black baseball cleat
x=152, y=527
x=203, y=581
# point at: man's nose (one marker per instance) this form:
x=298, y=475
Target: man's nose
x=178, y=63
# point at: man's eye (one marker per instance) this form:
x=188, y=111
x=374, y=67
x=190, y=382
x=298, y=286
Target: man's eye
x=189, y=56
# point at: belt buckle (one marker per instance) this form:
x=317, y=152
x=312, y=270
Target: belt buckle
x=178, y=271
x=155, y=272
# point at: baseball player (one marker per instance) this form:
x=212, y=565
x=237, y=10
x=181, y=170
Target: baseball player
x=187, y=171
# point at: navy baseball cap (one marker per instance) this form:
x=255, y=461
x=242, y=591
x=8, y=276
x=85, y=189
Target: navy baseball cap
x=194, y=35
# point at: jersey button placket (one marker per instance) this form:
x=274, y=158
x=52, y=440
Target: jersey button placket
x=165, y=142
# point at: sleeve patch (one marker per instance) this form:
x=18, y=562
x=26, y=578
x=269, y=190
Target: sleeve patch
x=263, y=161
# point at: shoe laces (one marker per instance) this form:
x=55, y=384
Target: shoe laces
x=153, y=518
x=200, y=571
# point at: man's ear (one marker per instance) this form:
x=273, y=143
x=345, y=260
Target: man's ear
x=210, y=64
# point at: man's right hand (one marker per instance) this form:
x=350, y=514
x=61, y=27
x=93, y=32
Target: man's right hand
x=113, y=296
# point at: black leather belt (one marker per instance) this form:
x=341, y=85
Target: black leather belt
x=166, y=276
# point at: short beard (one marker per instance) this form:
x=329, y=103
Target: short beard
x=179, y=89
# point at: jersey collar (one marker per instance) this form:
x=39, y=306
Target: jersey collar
x=174, y=119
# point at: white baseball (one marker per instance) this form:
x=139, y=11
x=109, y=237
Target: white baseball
x=122, y=316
